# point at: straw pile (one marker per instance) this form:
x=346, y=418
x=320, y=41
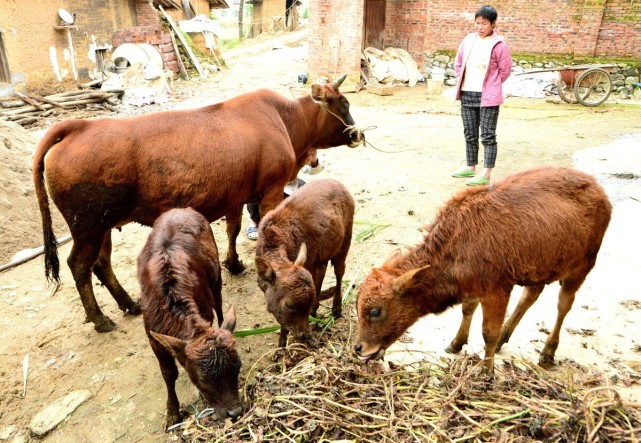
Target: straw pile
x=326, y=395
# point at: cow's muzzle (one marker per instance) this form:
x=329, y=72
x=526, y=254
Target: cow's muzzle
x=376, y=355
x=356, y=136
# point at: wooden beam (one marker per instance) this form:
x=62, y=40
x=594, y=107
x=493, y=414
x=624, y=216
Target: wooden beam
x=181, y=65
x=190, y=53
x=189, y=11
x=29, y=101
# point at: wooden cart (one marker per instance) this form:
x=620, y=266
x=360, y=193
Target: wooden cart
x=589, y=85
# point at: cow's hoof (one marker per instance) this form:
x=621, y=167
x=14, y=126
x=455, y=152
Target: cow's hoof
x=502, y=340
x=546, y=362
x=327, y=293
x=486, y=375
x=337, y=313
x=453, y=348
x=235, y=267
x=132, y=308
x=172, y=420
x=104, y=324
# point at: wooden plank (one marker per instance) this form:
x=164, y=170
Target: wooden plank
x=190, y=53
x=29, y=101
x=565, y=68
x=181, y=65
x=189, y=11
x=46, y=100
x=380, y=89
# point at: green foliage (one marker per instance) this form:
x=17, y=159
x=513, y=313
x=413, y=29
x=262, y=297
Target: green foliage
x=230, y=44
x=256, y=331
x=563, y=59
x=369, y=230
x=569, y=59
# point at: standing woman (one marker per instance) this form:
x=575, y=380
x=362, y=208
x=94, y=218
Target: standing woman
x=483, y=63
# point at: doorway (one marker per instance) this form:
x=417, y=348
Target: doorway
x=374, y=24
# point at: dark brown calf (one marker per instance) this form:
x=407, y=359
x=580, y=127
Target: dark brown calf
x=529, y=229
x=105, y=173
x=295, y=243
x=180, y=284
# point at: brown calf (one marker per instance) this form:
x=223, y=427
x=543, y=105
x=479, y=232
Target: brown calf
x=180, y=284
x=529, y=229
x=295, y=243
x=105, y=173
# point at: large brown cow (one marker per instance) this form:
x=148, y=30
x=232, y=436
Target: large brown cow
x=530, y=229
x=296, y=241
x=106, y=173
x=180, y=286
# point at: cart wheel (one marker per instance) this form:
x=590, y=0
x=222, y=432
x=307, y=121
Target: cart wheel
x=593, y=87
x=566, y=92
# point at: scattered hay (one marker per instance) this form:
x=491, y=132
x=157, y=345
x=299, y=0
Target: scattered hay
x=368, y=231
x=326, y=395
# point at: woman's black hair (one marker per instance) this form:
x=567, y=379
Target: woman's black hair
x=487, y=12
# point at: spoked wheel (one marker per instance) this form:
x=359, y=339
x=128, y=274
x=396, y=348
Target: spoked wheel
x=565, y=86
x=593, y=87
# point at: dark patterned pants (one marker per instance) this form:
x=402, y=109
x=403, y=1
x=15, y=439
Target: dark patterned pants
x=475, y=117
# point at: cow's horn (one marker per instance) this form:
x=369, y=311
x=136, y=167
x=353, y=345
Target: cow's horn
x=339, y=81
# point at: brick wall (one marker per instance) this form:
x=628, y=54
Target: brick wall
x=150, y=31
x=147, y=14
x=574, y=27
x=620, y=31
x=579, y=27
x=335, y=36
x=158, y=38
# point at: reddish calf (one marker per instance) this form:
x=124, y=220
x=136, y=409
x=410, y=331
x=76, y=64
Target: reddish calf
x=296, y=241
x=529, y=229
x=105, y=173
x=180, y=284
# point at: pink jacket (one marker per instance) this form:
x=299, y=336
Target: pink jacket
x=498, y=70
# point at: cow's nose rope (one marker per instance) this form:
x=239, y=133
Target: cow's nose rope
x=351, y=129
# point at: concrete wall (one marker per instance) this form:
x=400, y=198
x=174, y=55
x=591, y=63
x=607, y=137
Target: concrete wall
x=564, y=27
x=39, y=53
x=264, y=12
x=38, y=49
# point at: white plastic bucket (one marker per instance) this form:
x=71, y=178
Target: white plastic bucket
x=438, y=74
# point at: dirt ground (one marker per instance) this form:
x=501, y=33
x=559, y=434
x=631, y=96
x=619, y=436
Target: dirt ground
x=399, y=180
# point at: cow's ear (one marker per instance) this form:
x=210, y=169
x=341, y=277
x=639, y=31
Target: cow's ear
x=318, y=93
x=230, y=319
x=265, y=271
x=393, y=256
x=302, y=255
x=408, y=280
x=174, y=345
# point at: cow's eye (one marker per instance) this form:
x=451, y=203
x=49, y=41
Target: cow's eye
x=376, y=312
x=289, y=306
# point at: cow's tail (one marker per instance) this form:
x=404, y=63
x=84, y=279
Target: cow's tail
x=53, y=136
